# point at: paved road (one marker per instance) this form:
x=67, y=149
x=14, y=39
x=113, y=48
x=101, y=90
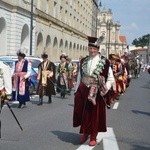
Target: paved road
x=49, y=127
x=132, y=118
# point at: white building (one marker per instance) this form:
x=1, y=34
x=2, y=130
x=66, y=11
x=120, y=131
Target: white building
x=113, y=41
x=58, y=26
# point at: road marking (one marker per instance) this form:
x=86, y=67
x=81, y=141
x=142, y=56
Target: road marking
x=85, y=146
x=109, y=141
x=33, y=96
x=11, y=103
x=15, y=102
x=116, y=105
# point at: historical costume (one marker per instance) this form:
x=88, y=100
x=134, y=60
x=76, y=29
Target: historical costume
x=5, y=83
x=95, y=78
x=70, y=77
x=124, y=76
x=74, y=73
x=118, y=72
x=46, y=77
x=128, y=69
x=62, y=81
x=5, y=86
x=21, y=81
x=137, y=68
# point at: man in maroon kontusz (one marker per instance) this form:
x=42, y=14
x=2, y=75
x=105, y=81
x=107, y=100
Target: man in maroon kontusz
x=95, y=78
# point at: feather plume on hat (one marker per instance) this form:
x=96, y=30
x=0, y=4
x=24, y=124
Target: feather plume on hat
x=93, y=41
x=99, y=40
x=22, y=52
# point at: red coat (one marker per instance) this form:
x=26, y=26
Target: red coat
x=92, y=119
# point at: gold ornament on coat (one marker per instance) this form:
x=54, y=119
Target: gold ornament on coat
x=46, y=74
x=62, y=69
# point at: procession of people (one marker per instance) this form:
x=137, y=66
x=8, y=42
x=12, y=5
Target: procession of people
x=97, y=84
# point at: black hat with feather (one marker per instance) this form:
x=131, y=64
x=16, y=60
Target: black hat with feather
x=94, y=41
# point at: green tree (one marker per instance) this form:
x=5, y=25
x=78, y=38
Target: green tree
x=142, y=41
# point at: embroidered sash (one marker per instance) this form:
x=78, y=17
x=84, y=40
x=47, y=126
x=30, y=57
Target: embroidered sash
x=46, y=74
x=19, y=77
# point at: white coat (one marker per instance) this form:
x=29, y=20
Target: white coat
x=5, y=78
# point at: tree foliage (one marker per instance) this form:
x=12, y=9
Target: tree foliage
x=142, y=41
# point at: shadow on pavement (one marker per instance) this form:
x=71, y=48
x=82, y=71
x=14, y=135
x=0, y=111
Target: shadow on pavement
x=68, y=137
x=72, y=105
x=146, y=87
x=141, y=112
x=138, y=147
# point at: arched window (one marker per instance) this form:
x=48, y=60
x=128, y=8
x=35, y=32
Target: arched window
x=66, y=44
x=61, y=44
x=55, y=42
x=74, y=46
x=40, y=47
x=70, y=46
x=3, y=49
x=25, y=36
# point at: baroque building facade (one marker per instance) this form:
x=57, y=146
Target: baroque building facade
x=58, y=26
x=113, y=41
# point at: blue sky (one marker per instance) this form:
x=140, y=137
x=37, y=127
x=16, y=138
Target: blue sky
x=133, y=15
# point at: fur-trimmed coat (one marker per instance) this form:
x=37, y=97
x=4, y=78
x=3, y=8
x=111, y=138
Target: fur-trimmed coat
x=49, y=89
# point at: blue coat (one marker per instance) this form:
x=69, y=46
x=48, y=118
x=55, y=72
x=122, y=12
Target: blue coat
x=15, y=94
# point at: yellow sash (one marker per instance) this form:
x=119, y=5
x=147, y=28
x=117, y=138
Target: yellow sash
x=46, y=74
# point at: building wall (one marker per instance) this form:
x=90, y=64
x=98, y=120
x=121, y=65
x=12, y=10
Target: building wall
x=58, y=26
x=16, y=30
x=111, y=29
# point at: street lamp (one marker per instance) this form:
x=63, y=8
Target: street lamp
x=31, y=27
x=116, y=25
x=109, y=27
x=116, y=46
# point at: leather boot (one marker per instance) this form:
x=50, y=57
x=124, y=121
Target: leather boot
x=20, y=104
x=49, y=99
x=93, y=139
x=40, y=101
x=84, y=137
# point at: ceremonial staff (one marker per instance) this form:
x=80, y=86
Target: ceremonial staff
x=2, y=101
x=14, y=115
